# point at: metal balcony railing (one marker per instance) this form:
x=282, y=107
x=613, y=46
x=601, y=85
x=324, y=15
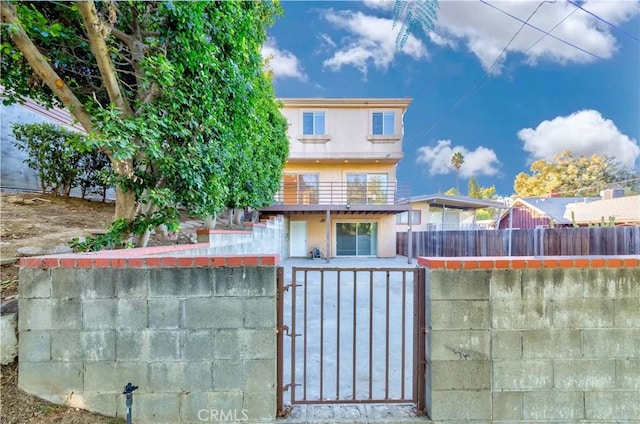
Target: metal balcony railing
x=342, y=193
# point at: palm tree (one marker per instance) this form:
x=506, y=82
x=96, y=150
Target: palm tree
x=456, y=161
x=414, y=14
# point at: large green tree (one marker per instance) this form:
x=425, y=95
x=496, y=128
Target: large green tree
x=567, y=176
x=173, y=92
x=475, y=191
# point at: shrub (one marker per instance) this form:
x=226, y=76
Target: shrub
x=60, y=165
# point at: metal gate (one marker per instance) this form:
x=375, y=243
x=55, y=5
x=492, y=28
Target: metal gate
x=351, y=335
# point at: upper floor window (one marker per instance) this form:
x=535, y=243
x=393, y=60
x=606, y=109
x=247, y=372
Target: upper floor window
x=383, y=123
x=313, y=123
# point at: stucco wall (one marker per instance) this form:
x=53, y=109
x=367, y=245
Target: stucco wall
x=196, y=334
x=316, y=231
x=533, y=340
x=14, y=172
x=347, y=133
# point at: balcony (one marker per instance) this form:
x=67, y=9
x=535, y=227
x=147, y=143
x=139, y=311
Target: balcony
x=363, y=197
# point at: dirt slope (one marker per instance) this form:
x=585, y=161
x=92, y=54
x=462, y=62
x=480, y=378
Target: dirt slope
x=37, y=221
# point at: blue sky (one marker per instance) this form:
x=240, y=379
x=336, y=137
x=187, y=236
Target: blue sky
x=576, y=89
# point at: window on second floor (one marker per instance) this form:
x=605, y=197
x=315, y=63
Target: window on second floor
x=383, y=123
x=313, y=123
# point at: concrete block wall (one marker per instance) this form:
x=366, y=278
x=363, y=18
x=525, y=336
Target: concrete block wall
x=196, y=334
x=553, y=340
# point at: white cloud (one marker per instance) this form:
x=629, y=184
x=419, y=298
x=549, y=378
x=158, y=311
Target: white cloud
x=386, y=5
x=583, y=133
x=283, y=63
x=481, y=161
x=486, y=31
x=370, y=40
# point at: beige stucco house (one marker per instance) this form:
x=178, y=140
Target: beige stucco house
x=339, y=191
x=441, y=212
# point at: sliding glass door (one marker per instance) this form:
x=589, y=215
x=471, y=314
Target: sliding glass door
x=357, y=239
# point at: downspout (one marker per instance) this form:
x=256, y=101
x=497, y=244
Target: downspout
x=409, y=237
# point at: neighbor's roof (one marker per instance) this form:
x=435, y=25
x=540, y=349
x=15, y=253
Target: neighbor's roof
x=55, y=114
x=624, y=209
x=553, y=207
x=455, y=202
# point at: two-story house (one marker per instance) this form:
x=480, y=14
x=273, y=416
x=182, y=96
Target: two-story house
x=339, y=191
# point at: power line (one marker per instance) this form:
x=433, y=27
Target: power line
x=477, y=85
x=538, y=40
x=483, y=80
x=543, y=31
x=551, y=30
x=604, y=20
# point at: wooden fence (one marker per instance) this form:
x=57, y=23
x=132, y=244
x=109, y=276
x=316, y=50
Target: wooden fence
x=536, y=242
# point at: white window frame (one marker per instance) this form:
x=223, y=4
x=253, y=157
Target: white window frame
x=384, y=116
x=314, y=114
x=314, y=138
x=385, y=137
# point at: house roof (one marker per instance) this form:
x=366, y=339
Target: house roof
x=402, y=102
x=553, y=207
x=55, y=114
x=455, y=202
x=624, y=209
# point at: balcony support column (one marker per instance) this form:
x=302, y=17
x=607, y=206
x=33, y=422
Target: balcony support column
x=409, y=237
x=327, y=239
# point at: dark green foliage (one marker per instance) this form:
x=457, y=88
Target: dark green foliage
x=60, y=165
x=196, y=124
x=112, y=239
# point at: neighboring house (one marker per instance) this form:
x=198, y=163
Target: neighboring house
x=439, y=212
x=339, y=191
x=15, y=174
x=619, y=210
x=540, y=212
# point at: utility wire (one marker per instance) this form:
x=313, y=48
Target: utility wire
x=535, y=43
x=550, y=31
x=484, y=79
x=604, y=20
x=543, y=31
x=477, y=85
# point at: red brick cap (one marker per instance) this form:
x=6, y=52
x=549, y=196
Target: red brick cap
x=529, y=262
x=150, y=257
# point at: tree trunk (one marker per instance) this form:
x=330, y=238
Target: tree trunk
x=238, y=216
x=125, y=200
x=210, y=222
